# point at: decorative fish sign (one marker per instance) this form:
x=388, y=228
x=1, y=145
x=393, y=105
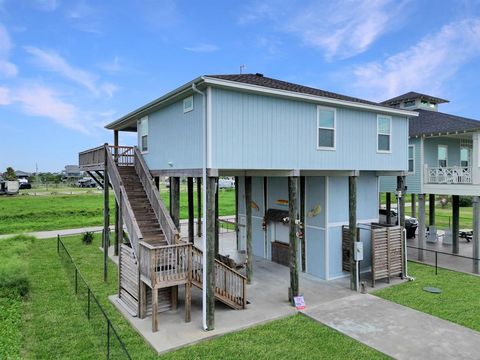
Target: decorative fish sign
x=314, y=211
x=255, y=206
x=282, y=202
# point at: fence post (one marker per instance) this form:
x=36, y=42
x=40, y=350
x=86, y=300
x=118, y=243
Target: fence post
x=88, y=303
x=436, y=262
x=58, y=243
x=108, y=339
x=76, y=280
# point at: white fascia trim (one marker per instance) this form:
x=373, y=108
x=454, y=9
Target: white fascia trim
x=314, y=98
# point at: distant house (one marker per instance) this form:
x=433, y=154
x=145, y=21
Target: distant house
x=443, y=159
x=22, y=174
x=72, y=172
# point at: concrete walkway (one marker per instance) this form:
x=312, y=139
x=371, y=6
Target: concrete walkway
x=53, y=233
x=396, y=330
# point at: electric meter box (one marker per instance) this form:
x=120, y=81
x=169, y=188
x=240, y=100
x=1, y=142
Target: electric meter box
x=358, y=251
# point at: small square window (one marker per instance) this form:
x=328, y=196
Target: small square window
x=145, y=143
x=384, y=124
x=188, y=104
x=411, y=159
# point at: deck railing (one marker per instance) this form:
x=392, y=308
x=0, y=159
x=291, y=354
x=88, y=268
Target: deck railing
x=123, y=155
x=92, y=158
x=448, y=175
x=229, y=284
x=166, y=265
x=166, y=223
x=134, y=232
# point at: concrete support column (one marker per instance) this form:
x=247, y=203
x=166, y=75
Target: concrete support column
x=210, y=252
x=293, y=189
x=455, y=223
x=352, y=227
x=421, y=225
x=388, y=197
x=476, y=234
x=248, y=210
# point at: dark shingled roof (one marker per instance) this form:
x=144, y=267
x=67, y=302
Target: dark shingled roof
x=411, y=96
x=260, y=80
x=434, y=122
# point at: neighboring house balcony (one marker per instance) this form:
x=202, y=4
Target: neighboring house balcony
x=449, y=175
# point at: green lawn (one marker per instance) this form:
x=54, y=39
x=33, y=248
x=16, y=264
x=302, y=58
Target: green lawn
x=459, y=302
x=55, y=327
x=51, y=212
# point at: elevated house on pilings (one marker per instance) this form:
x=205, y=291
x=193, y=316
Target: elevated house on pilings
x=307, y=164
x=444, y=159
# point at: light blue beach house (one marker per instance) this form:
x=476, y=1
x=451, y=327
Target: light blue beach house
x=307, y=165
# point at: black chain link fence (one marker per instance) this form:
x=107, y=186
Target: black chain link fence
x=108, y=340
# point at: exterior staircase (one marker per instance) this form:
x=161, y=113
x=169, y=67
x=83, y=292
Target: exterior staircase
x=156, y=261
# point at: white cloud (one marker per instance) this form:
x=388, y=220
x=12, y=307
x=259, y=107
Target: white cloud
x=113, y=66
x=38, y=100
x=341, y=29
x=7, y=69
x=52, y=61
x=425, y=66
x=202, y=48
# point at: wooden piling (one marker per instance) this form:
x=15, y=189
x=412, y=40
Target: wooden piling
x=237, y=232
x=414, y=205
x=106, y=215
x=217, y=223
x=431, y=209
x=210, y=253
x=191, y=215
x=421, y=225
x=154, y=310
x=401, y=190
x=293, y=187
x=455, y=223
x=476, y=234
x=199, y=206
x=175, y=200
x=352, y=227
x=248, y=210
x=388, y=204
x=302, y=221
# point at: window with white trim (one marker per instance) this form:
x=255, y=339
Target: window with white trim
x=326, y=122
x=442, y=155
x=411, y=159
x=188, y=104
x=384, y=132
x=142, y=130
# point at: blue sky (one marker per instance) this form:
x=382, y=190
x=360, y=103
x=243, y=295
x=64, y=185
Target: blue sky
x=69, y=67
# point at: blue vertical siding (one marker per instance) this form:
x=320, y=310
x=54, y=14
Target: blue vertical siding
x=175, y=138
x=431, y=150
x=414, y=180
x=367, y=211
x=252, y=131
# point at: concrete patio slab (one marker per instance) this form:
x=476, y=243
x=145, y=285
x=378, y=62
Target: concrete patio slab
x=396, y=330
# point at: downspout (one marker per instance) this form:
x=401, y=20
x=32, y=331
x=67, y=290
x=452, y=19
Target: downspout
x=204, y=204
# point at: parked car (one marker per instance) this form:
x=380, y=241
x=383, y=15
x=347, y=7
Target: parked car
x=411, y=223
x=226, y=183
x=9, y=187
x=86, y=183
x=24, y=184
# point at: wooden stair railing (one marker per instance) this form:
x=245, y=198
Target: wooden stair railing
x=134, y=232
x=164, y=266
x=230, y=285
x=163, y=216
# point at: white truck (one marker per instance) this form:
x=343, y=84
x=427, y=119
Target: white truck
x=8, y=187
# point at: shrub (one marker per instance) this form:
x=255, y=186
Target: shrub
x=465, y=201
x=87, y=237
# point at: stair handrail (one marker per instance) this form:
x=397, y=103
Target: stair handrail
x=164, y=219
x=133, y=229
x=241, y=279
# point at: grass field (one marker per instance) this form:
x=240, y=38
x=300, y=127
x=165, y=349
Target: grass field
x=459, y=301
x=55, y=327
x=51, y=212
